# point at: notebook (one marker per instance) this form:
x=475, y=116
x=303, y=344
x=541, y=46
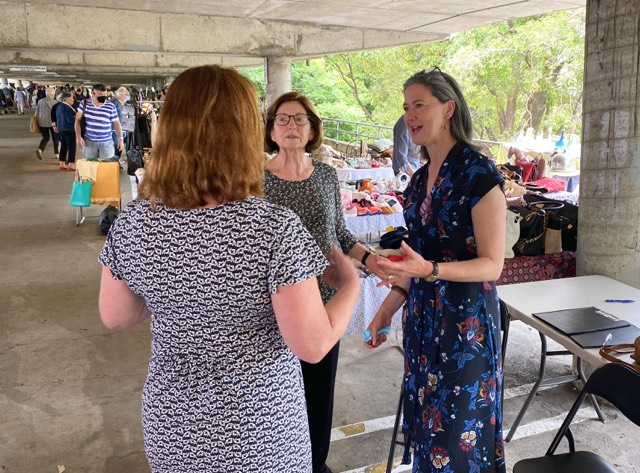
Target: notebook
x=581, y=320
x=596, y=339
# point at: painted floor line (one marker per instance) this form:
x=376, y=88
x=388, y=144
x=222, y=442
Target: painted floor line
x=381, y=468
x=361, y=428
x=551, y=423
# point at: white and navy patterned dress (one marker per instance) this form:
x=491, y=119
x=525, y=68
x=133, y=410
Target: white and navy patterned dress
x=223, y=391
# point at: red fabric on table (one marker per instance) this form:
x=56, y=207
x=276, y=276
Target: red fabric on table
x=538, y=268
x=528, y=172
x=550, y=184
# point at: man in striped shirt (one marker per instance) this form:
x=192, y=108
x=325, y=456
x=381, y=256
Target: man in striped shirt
x=99, y=115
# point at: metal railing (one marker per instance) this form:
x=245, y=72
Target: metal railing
x=353, y=132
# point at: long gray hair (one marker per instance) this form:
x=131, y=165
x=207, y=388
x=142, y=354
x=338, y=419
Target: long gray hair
x=445, y=88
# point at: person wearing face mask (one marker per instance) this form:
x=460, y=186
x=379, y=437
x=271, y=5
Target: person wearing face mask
x=119, y=99
x=100, y=115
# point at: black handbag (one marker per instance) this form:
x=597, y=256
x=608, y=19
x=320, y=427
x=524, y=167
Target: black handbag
x=107, y=217
x=134, y=157
x=532, y=231
x=567, y=213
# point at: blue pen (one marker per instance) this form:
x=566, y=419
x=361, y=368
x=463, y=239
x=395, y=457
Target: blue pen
x=623, y=301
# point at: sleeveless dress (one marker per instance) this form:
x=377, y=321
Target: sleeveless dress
x=223, y=392
x=452, y=341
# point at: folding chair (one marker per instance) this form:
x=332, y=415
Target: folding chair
x=615, y=382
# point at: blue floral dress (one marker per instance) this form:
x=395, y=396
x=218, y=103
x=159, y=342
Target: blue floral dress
x=453, y=369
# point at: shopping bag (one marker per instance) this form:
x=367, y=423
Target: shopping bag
x=34, y=126
x=81, y=194
x=107, y=217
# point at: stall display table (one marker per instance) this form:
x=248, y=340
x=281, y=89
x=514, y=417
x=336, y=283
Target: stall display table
x=370, y=300
x=538, y=268
x=369, y=224
x=572, y=178
x=353, y=174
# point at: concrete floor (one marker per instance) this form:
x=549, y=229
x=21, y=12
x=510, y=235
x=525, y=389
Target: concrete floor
x=70, y=389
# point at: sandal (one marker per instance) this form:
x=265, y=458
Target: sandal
x=63, y=167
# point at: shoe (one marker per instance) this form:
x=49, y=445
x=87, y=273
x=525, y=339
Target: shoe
x=350, y=210
x=39, y=153
x=71, y=167
x=63, y=167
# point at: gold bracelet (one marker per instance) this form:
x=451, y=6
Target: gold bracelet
x=400, y=291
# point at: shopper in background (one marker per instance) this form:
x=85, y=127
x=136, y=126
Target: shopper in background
x=406, y=154
x=65, y=122
x=43, y=112
x=228, y=280
x=454, y=209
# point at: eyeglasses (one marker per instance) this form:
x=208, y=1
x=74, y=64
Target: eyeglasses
x=282, y=119
x=437, y=69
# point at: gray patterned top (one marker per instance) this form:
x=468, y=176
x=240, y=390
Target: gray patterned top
x=223, y=391
x=316, y=200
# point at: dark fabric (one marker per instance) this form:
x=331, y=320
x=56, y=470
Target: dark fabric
x=65, y=118
x=538, y=268
x=319, y=385
x=452, y=339
x=67, y=146
x=45, y=131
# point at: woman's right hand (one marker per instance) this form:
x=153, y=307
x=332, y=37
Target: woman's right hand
x=378, y=322
x=340, y=270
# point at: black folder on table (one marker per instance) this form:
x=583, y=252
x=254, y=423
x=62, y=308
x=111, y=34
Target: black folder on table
x=589, y=326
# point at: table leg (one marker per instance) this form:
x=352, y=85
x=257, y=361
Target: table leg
x=593, y=399
x=540, y=381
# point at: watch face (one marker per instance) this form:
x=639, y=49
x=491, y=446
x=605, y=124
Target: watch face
x=431, y=278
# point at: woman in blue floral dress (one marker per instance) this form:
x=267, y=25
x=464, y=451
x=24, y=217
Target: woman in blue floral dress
x=455, y=214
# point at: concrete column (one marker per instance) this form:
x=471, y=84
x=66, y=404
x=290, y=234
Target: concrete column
x=277, y=77
x=3, y=81
x=608, y=235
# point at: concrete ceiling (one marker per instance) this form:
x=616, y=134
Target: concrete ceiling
x=146, y=41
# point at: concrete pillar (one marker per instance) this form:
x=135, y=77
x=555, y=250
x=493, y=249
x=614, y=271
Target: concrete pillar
x=608, y=235
x=3, y=81
x=277, y=77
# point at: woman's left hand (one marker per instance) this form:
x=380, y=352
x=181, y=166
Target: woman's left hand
x=413, y=266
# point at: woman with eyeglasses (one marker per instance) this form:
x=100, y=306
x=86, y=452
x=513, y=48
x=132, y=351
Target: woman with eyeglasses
x=310, y=188
x=228, y=281
x=455, y=214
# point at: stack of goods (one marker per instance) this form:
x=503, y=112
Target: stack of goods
x=360, y=204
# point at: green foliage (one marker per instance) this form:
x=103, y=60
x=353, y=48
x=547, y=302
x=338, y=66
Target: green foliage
x=515, y=74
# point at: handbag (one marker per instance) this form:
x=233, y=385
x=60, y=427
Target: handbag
x=34, y=126
x=625, y=353
x=569, y=216
x=513, y=233
x=532, y=229
x=81, y=194
x=107, y=217
x=552, y=225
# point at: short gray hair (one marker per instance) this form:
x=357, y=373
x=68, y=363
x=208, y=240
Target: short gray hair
x=121, y=92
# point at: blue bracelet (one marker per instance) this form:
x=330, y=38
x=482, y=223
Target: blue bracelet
x=366, y=335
